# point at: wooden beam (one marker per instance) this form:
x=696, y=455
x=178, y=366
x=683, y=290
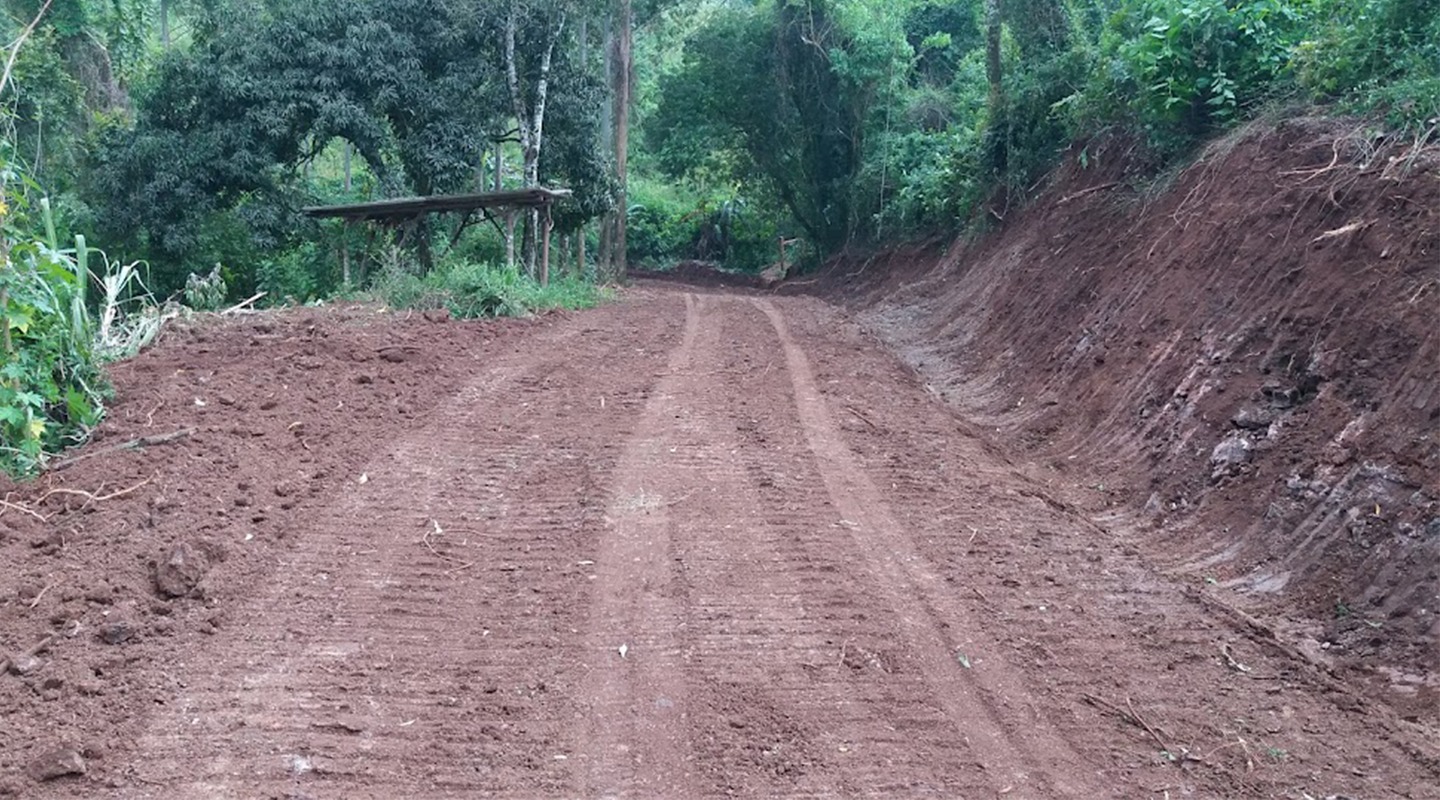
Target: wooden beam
x=534, y=197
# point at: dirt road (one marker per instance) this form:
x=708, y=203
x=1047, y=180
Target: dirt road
x=703, y=545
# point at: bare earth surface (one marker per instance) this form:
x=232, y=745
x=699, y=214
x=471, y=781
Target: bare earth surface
x=690, y=544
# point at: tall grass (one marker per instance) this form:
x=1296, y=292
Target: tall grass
x=469, y=290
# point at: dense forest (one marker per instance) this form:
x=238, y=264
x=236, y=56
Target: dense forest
x=161, y=150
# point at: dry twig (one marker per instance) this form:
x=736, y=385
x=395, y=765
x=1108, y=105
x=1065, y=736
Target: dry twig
x=91, y=498
x=461, y=564
x=862, y=418
x=1083, y=192
x=8, y=506
x=1130, y=715
x=41, y=595
x=30, y=653
x=133, y=444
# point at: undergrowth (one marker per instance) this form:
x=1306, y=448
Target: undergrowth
x=470, y=290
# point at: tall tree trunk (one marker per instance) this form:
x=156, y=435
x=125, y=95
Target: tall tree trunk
x=623, y=67
x=349, y=184
x=530, y=117
x=605, y=262
x=996, y=130
x=165, y=24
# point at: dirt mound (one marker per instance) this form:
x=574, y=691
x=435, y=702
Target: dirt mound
x=1241, y=371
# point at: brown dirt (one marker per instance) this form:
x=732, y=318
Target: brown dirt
x=1281, y=299
x=685, y=545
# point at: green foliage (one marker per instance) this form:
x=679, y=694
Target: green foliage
x=51, y=386
x=1376, y=55
x=1186, y=67
x=790, y=111
x=470, y=290
x=670, y=223
x=228, y=131
x=205, y=292
x=298, y=274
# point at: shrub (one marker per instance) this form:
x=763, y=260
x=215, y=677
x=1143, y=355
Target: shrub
x=470, y=290
x=205, y=292
x=1182, y=68
x=51, y=386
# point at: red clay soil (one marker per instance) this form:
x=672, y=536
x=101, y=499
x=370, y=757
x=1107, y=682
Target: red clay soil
x=685, y=545
x=1239, y=373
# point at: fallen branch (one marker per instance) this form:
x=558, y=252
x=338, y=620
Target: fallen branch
x=133, y=444
x=243, y=304
x=1083, y=192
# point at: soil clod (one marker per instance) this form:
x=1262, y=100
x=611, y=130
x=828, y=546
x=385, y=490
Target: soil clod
x=181, y=570
x=60, y=762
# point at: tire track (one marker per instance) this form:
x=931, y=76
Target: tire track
x=423, y=638
x=634, y=742
x=804, y=697
x=1015, y=758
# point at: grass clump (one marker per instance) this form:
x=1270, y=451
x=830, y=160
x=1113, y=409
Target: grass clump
x=473, y=290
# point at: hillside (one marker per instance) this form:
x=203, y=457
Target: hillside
x=1238, y=372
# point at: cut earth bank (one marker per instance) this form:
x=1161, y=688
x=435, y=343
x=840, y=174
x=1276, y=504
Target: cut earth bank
x=1248, y=355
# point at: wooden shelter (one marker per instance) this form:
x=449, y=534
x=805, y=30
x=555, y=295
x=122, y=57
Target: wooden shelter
x=408, y=210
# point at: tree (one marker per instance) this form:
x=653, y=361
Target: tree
x=791, y=109
x=623, y=69
x=528, y=97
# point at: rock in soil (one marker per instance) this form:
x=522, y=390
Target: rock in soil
x=24, y=664
x=1253, y=418
x=117, y=632
x=1231, y=451
x=58, y=763
x=181, y=571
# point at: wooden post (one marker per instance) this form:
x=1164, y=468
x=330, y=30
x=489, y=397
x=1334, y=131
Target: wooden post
x=580, y=252
x=345, y=255
x=510, y=238
x=545, y=249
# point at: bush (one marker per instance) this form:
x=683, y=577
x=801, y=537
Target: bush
x=470, y=290
x=1377, y=55
x=1183, y=68
x=51, y=386
x=205, y=292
